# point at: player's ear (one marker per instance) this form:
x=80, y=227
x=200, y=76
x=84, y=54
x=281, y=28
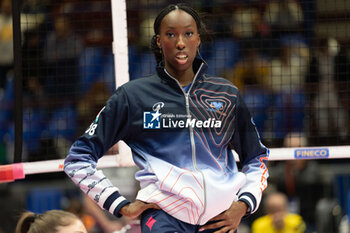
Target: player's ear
x=158, y=41
x=199, y=41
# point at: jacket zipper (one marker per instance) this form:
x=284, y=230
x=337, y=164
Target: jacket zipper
x=193, y=146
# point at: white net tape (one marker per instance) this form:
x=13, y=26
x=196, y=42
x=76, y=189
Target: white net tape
x=15, y=171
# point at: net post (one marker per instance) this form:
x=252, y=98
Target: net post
x=120, y=42
x=120, y=48
x=18, y=80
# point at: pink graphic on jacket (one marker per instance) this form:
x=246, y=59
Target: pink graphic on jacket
x=150, y=222
x=178, y=194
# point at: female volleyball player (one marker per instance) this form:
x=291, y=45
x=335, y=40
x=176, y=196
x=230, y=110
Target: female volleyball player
x=52, y=221
x=181, y=125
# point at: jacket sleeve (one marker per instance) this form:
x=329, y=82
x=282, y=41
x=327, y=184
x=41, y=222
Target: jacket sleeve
x=253, y=156
x=110, y=126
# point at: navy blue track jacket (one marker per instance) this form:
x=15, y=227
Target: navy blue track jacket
x=181, y=141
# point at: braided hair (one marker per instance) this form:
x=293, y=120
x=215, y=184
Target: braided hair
x=157, y=22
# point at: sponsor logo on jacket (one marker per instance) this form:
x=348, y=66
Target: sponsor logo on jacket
x=156, y=120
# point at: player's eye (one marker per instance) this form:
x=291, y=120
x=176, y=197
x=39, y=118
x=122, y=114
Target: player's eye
x=189, y=34
x=170, y=34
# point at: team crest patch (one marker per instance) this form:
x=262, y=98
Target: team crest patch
x=217, y=107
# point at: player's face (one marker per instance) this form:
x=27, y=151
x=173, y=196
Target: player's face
x=179, y=41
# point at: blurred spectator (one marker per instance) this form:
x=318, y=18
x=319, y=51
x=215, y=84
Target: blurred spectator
x=6, y=41
x=32, y=53
x=146, y=31
x=250, y=75
x=36, y=7
x=278, y=219
x=251, y=71
x=299, y=179
x=284, y=16
x=328, y=215
x=344, y=226
x=287, y=80
x=342, y=79
x=248, y=24
x=96, y=32
x=328, y=114
x=61, y=52
x=90, y=103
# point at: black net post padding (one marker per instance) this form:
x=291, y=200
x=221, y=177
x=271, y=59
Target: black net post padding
x=18, y=81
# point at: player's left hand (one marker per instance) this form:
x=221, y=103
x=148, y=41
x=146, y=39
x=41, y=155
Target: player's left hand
x=229, y=220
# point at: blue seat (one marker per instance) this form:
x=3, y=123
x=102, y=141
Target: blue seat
x=288, y=113
x=224, y=54
x=107, y=75
x=34, y=124
x=6, y=107
x=134, y=60
x=147, y=65
x=63, y=123
x=91, y=65
x=348, y=204
x=257, y=102
x=41, y=200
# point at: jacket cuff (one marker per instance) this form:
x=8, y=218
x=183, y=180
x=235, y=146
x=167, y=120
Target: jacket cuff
x=249, y=199
x=114, y=203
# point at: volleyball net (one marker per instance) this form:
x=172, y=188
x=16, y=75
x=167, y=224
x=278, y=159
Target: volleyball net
x=290, y=61
x=12, y=172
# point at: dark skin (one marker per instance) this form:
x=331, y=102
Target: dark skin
x=179, y=41
x=229, y=220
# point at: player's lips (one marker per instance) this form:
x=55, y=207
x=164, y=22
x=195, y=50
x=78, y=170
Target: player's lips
x=181, y=58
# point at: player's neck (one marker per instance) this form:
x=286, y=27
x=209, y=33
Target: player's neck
x=183, y=77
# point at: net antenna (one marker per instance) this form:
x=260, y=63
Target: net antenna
x=121, y=61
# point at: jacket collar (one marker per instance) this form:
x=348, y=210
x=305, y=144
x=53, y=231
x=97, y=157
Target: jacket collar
x=199, y=68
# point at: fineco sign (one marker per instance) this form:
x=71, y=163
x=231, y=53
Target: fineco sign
x=318, y=153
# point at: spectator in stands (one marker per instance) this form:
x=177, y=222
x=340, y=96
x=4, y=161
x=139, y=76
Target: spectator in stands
x=92, y=101
x=342, y=78
x=61, y=51
x=299, y=179
x=62, y=48
x=278, y=219
x=284, y=17
x=6, y=41
x=52, y=221
x=245, y=22
x=329, y=115
x=287, y=80
x=251, y=71
x=250, y=75
x=249, y=24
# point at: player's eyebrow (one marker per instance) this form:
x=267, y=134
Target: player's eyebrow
x=187, y=26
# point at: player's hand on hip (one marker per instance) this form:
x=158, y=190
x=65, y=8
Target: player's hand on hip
x=229, y=220
x=134, y=209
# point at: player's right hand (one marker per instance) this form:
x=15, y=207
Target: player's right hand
x=134, y=209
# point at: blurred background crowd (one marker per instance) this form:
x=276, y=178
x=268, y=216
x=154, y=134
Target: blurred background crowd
x=289, y=58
